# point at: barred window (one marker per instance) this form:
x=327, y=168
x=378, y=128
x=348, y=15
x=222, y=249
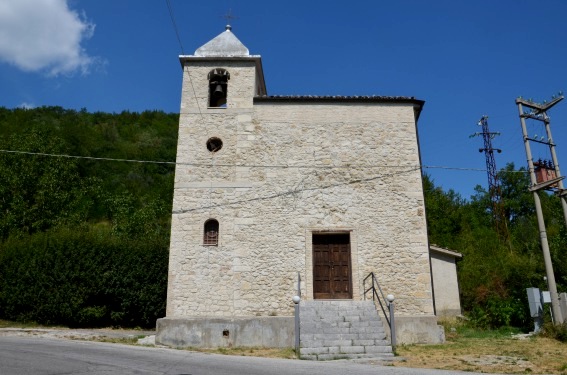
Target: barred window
x=211, y=233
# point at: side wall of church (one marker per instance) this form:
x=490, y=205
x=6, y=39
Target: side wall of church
x=285, y=171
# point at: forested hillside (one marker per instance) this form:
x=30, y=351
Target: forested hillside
x=84, y=241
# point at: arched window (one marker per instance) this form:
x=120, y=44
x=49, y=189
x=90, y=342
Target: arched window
x=218, y=82
x=211, y=233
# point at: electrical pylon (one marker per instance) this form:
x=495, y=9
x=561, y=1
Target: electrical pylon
x=494, y=187
x=544, y=180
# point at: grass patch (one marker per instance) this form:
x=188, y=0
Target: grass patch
x=29, y=325
x=493, y=351
x=131, y=340
x=456, y=328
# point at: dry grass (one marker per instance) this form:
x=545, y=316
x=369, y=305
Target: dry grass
x=286, y=353
x=130, y=340
x=488, y=351
x=11, y=324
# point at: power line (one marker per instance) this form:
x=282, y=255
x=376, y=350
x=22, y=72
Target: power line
x=170, y=8
x=297, y=166
x=293, y=192
x=85, y=157
x=457, y=168
x=176, y=29
x=194, y=92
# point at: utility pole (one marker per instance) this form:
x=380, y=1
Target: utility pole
x=547, y=176
x=494, y=187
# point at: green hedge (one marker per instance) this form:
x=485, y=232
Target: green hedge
x=83, y=278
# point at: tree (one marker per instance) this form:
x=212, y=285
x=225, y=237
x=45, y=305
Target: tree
x=492, y=279
x=39, y=192
x=444, y=213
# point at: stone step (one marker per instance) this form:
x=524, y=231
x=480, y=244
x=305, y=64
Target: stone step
x=317, y=326
x=369, y=335
x=347, y=350
x=355, y=342
x=339, y=318
x=331, y=357
x=341, y=322
x=342, y=330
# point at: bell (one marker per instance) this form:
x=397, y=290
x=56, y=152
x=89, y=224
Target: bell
x=219, y=92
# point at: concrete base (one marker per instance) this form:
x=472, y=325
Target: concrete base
x=272, y=332
x=563, y=305
x=419, y=330
x=448, y=313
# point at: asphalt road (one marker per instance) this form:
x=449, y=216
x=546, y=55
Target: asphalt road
x=42, y=356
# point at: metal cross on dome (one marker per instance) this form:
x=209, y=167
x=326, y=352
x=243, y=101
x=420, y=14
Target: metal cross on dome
x=228, y=17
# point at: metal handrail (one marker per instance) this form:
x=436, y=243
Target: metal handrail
x=296, y=300
x=389, y=303
x=375, y=285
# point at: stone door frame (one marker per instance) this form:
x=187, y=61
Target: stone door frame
x=307, y=274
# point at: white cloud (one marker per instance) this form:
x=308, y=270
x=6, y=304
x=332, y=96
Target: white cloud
x=44, y=36
x=26, y=105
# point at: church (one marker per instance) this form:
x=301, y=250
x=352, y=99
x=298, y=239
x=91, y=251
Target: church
x=277, y=196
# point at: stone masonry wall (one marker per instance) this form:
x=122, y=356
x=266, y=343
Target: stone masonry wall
x=287, y=170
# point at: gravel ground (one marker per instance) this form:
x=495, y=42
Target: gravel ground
x=80, y=334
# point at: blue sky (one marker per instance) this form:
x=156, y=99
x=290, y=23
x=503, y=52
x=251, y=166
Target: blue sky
x=466, y=59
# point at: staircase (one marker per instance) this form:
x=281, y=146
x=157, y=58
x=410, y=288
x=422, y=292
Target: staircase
x=342, y=329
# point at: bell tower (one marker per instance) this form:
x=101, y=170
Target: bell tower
x=221, y=74
x=220, y=81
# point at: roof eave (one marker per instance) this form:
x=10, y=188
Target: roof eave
x=417, y=104
x=442, y=250
x=184, y=58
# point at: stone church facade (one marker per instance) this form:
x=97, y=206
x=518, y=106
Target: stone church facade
x=269, y=188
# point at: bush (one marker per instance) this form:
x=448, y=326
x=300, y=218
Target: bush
x=558, y=332
x=83, y=278
x=497, y=312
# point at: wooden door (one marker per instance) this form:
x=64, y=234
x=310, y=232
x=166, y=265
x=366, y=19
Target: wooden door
x=331, y=266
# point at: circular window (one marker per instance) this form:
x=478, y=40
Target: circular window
x=214, y=144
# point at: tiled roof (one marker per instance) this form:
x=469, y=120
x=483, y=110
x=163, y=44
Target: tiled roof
x=370, y=98
x=442, y=250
